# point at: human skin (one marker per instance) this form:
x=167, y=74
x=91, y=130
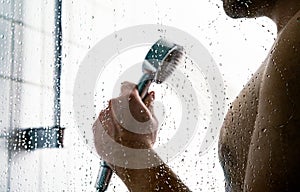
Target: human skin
x=259, y=140
x=152, y=178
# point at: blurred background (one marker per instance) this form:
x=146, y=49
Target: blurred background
x=42, y=43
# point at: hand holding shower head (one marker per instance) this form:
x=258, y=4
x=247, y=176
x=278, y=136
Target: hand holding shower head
x=160, y=61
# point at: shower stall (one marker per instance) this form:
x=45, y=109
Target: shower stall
x=42, y=46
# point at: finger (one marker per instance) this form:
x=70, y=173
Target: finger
x=149, y=98
x=107, y=118
x=137, y=107
x=127, y=87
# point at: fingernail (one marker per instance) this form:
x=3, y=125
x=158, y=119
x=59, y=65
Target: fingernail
x=152, y=93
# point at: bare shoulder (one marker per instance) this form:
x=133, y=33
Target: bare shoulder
x=274, y=155
x=280, y=88
x=286, y=50
x=287, y=45
x=282, y=73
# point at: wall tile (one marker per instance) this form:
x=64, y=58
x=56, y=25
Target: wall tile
x=34, y=57
x=5, y=47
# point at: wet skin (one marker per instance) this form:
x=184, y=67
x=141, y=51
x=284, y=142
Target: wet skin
x=260, y=138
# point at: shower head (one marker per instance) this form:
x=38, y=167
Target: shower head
x=160, y=61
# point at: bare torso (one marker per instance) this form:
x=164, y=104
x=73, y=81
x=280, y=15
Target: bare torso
x=236, y=133
x=239, y=125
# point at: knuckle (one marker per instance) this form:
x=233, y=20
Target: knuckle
x=112, y=100
x=133, y=94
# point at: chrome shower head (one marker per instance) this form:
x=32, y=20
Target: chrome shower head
x=160, y=61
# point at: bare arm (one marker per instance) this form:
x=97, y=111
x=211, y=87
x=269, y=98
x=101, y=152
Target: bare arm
x=124, y=135
x=158, y=178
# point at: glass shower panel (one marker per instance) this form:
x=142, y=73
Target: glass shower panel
x=27, y=61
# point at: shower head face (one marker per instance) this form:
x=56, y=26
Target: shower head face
x=168, y=65
x=161, y=60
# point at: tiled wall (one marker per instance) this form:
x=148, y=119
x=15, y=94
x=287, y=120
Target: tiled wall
x=26, y=96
